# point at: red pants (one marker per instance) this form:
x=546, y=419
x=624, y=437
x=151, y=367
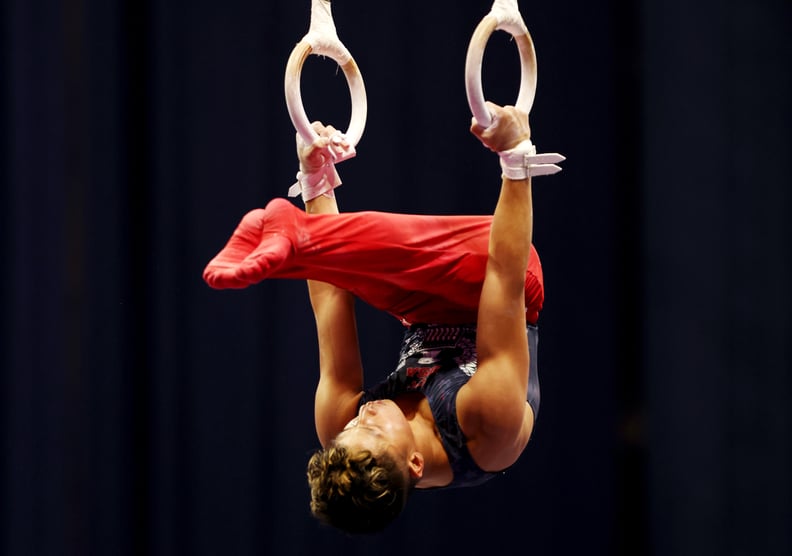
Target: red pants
x=420, y=269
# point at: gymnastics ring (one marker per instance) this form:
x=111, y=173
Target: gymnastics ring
x=504, y=16
x=322, y=40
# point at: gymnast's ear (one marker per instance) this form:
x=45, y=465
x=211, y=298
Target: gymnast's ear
x=416, y=466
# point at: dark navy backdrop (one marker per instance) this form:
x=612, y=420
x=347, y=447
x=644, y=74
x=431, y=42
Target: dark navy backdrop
x=143, y=413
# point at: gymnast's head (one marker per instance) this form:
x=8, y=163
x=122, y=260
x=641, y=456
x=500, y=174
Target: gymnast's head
x=362, y=480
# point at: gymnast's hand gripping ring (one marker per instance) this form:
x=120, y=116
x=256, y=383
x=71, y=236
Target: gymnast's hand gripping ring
x=323, y=40
x=522, y=161
x=504, y=16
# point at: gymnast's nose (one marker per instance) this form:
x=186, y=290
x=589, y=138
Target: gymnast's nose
x=368, y=409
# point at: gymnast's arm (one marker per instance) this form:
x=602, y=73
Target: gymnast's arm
x=492, y=406
x=340, y=368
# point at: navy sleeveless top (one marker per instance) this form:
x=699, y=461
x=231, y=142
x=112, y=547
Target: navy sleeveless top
x=437, y=360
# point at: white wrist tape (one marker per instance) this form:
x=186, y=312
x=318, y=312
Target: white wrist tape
x=522, y=162
x=321, y=182
x=325, y=179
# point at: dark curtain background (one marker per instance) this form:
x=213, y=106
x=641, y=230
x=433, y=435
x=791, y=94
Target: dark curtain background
x=143, y=413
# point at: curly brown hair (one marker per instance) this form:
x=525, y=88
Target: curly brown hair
x=356, y=491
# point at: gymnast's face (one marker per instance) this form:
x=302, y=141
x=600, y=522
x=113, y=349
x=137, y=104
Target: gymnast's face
x=380, y=426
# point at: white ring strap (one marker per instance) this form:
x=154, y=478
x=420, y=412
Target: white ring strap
x=322, y=40
x=504, y=16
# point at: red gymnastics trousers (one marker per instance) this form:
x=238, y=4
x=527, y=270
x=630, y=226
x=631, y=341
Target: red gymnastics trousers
x=420, y=269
